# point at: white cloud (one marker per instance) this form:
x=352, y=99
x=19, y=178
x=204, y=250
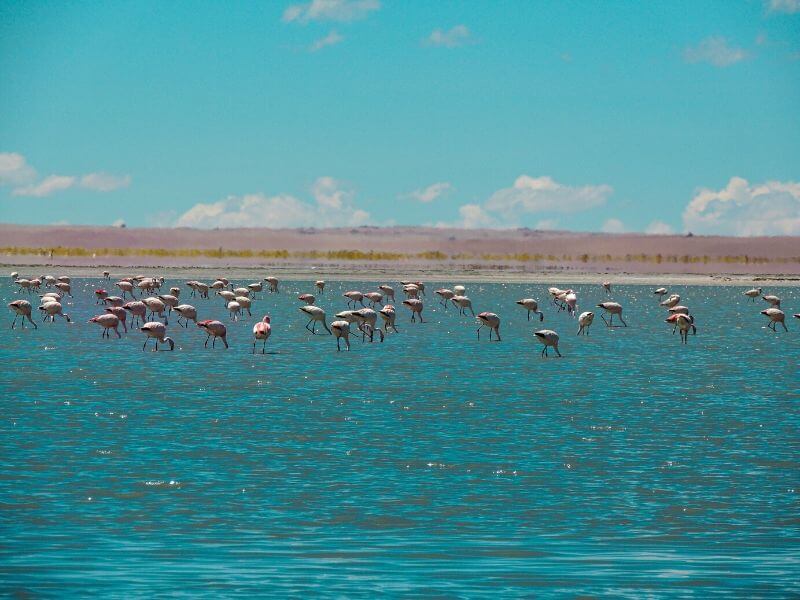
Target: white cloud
x=332, y=208
x=103, y=182
x=430, y=193
x=45, y=187
x=454, y=37
x=331, y=193
x=659, y=228
x=613, y=226
x=14, y=169
x=543, y=194
x=771, y=208
x=16, y=172
x=783, y=6
x=715, y=51
x=331, y=39
x=330, y=10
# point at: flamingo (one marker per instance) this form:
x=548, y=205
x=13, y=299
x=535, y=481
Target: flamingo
x=320, y=285
x=36, y=283
x=548, y=338
x=106, y=274
x=417, y=284
x=262, y=331
x=21, y=308
x=126, y=287
x=416, y=306
x=51, y=309
x=235, y=309
x=175, y=291
x=684, y=323
x=108, y=322
x=584, y=321
x=24, y=284
x=65, y=279
x=388, y=291
x=353, y=297
x=214, y=329
x=571, y=303
x=607, y=287
x=158, y=331
x=241, y=291
x=532, y=306
x=661, y=292
x=218, y=285
x=772, y=301
x=673, y=300
x=388, y=315
x=612, y=308
x=50, y=297
x=169, y=300
x=14, y=274
x=555, y=293
x=367, y=318
x=679, y=310
x=374, y=298
x=120, y=313
x=49, y=280
x=776, y=315
x=445, y=295
x=490, y=320
x=65, y=287
x=341, y=329
x=459, y=290
x=156, y=307
x=411, y=291
x=227, y=296
x=315, y=315
x=138, y=311
x=753, y=294
x=273, y=284
x=113, y=301
x=245, y=303
x=255, y=287
x=101, y=295
x=309, y=299
x=463, y=303
x=186, y=312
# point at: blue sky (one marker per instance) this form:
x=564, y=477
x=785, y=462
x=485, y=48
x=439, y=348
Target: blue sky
x=631, y=116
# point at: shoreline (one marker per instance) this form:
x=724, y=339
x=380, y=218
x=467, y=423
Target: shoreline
x=395, y=272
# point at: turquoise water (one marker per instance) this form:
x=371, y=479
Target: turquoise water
x=431, y=464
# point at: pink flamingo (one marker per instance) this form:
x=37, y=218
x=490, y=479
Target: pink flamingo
x=320, y=285
x=367, y=318
x=463, y=303
x=126, y=287
x=186, y=312
x=584, y=322
x=262, y=331
x=108, y=322
x=113, y=301
x=612, y=308
x=445, y=295
x=138, y=311
x=341, y=329
x=490, y=320
x=532, y=306
x=309, y=299
x=374, y=298
x=416, y=306
x=388, y=291
x=315, y=315
x=776, y=315
x=549, y=339
x=214, y=329
x=684, y=323
x=101, y=295
x=22, y=308
x=388, y=315
x=353, y=297
x=158, y=331
x=273, y=284
x=120, y=313
x=51, y=309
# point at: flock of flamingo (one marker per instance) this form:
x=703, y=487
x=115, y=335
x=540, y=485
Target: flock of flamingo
x=153, y=305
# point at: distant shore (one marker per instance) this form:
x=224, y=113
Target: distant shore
x=435, y=254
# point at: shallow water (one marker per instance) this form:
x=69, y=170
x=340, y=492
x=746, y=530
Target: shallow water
x=431, y=464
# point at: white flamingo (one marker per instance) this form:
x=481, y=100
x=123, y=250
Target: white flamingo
x=532, y=306
x=157, y=331
x=549, y=339
x=584, y=321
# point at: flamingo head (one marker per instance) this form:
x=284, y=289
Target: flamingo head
x=266, y=319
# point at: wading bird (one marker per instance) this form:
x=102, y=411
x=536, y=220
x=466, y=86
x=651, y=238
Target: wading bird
x=490, y=320
x=157, y=331
x=262, y=331
x=108, y=322
x=549, y=339
x=416, y=306
x=214, y=329
x=315, y=315
x=22, y=308
x=341, y=329
x=776, y=315
x=532, y=306
x=612, y=308
x=584, y=321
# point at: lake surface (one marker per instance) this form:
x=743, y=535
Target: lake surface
x=432, y=464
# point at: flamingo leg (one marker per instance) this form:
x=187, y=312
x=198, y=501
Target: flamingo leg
x=264, y=347
x=15, y=321
x=557, y=352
